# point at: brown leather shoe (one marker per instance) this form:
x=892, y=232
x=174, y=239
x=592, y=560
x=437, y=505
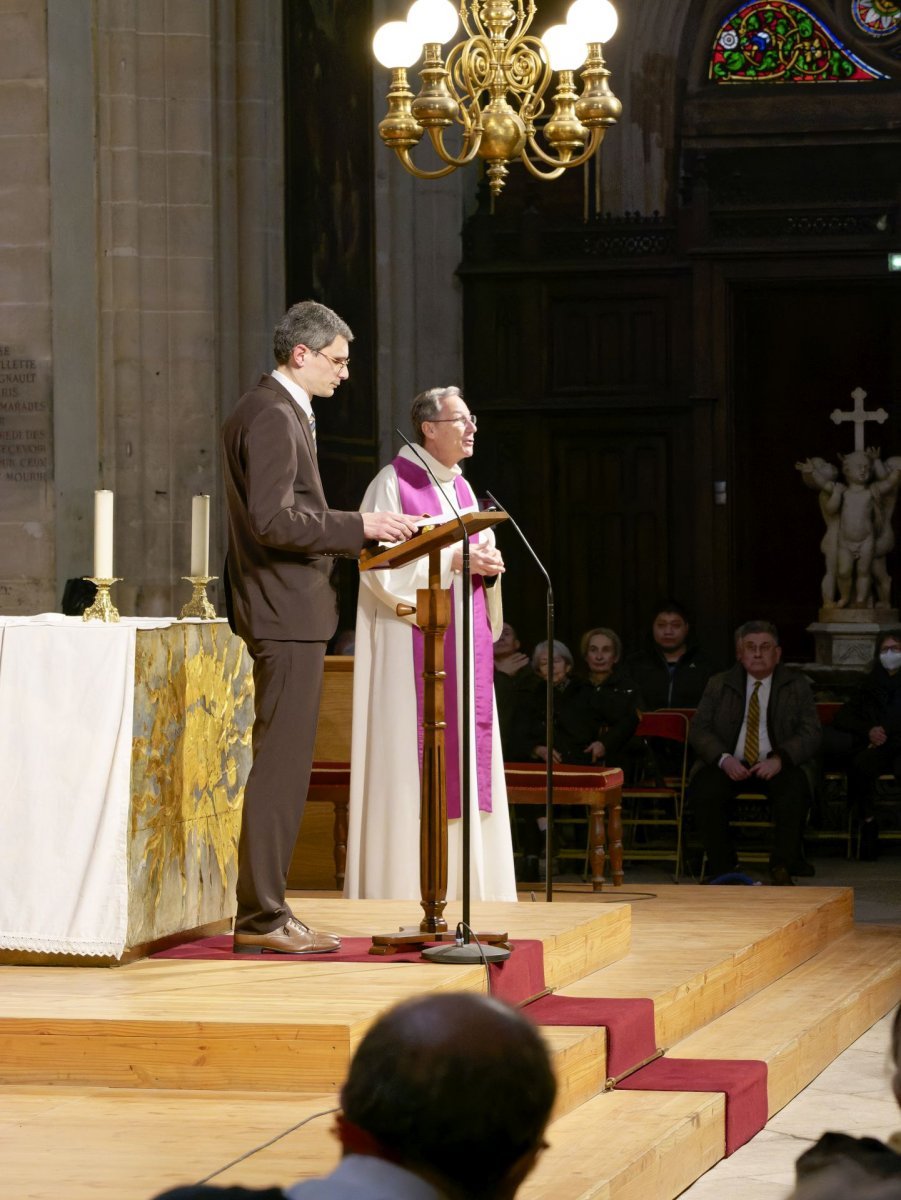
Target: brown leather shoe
x=293, y=938
x=780, y=877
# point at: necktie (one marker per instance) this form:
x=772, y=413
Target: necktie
x=752, y=735
x=312, y=420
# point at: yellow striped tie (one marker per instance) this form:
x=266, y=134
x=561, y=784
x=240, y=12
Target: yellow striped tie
x=752, y=735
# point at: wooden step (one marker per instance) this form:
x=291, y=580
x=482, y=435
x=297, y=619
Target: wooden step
x=209, y=1059
x=132, y=1143
x=272, y=1025
x=797, y=1025
x=803, y=1021
x=696, y=965
x=630, y=1146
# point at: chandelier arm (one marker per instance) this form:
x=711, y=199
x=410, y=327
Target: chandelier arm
x=403, y=154
x=533, y=170
x=597, y=136
x=437, y=139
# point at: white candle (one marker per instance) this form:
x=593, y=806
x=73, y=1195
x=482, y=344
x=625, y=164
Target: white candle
x=103, y=535
x=200, y=536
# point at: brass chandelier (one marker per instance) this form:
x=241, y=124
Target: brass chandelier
x=493, y=85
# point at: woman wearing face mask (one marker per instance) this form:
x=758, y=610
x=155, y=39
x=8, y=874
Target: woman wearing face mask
x=873, y=718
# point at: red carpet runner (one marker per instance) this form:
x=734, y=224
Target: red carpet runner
x=629, y=1023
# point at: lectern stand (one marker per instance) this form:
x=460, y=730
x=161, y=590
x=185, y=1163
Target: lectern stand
x=432, y=617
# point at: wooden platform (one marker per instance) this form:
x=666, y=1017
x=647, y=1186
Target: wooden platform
x=121, y=1082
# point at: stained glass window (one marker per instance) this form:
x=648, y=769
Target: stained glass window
x=774, y=41
x=877, y=17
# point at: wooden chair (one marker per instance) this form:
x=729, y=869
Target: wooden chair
x=658, y=803
x=599, y=789
x=836, y=780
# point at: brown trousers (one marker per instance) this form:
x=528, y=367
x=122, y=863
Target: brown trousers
x=287, y=680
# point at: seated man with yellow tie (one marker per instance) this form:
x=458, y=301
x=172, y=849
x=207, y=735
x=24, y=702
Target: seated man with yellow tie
x=755, y=728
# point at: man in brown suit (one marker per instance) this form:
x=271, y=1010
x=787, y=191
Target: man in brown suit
x=281, y=541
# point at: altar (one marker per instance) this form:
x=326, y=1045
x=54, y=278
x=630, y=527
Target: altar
x=125, y=748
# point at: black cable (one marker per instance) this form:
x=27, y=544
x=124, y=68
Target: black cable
x=606, y=897
x=265, y=1145
x=485, y=963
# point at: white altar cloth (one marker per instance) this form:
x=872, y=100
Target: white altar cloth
x=66, y=706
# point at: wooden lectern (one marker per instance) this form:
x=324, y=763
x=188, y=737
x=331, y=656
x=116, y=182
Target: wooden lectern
x=432, y=617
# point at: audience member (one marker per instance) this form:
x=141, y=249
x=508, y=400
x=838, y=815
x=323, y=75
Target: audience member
x=671, y=672
x=591, y=724
x=615, y=692
x=755, y=729
x=447, y=1098
x=843, y=1181
x=859, y=1163
x=508, y=657
x=602, y=652
x=872, y=721
x=512, y=669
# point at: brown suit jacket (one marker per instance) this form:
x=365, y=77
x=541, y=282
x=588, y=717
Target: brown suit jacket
x=282, y=536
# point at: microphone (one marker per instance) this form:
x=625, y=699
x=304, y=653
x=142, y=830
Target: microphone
x=434, y=479
x=497, y=506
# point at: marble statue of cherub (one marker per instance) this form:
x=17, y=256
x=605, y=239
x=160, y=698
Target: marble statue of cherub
x=854, y=512
x=885, y=538
x=821, y=475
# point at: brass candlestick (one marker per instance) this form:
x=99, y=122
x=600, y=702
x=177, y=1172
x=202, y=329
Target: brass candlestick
x=198, y=605
x=103, y=608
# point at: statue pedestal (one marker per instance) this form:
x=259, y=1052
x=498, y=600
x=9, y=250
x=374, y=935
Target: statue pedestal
x=846, y=637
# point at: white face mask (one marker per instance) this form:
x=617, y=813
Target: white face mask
x=890, y=659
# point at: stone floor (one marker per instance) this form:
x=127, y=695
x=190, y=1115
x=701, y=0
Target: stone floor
x=853, y=1094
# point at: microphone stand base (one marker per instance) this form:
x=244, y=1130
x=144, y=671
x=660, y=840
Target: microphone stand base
x=414, y=938
x=470, y=954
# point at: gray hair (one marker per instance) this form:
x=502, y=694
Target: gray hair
x=309, y=324
x=560, y=651
x=756, y=627
x=427, y=406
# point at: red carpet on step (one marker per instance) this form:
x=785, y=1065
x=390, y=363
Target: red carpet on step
x=742, y=1079
x=629, y=1023
x=521, y=976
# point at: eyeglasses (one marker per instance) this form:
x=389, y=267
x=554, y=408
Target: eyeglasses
x=340, y=364
x=472, y=420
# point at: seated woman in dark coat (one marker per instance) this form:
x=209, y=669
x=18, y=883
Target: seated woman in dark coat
x=873, y=719
x=616, y=695
x=592, y=723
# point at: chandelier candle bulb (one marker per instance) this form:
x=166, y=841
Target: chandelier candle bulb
x=103, y=534
x=200, y=537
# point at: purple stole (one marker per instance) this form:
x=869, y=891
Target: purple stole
x=419, y=497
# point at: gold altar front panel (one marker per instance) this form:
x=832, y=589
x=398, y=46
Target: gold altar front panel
x=191, y=753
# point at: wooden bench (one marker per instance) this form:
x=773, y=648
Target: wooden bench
x=599, y=788
x=322, y=841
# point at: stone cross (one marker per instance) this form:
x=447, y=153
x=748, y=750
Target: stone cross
x=859, y=417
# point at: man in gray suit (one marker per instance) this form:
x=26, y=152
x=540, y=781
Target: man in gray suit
x=282, y=539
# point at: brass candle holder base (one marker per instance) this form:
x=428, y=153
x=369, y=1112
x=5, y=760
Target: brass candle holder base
x=103, y=608
x=198, y=605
